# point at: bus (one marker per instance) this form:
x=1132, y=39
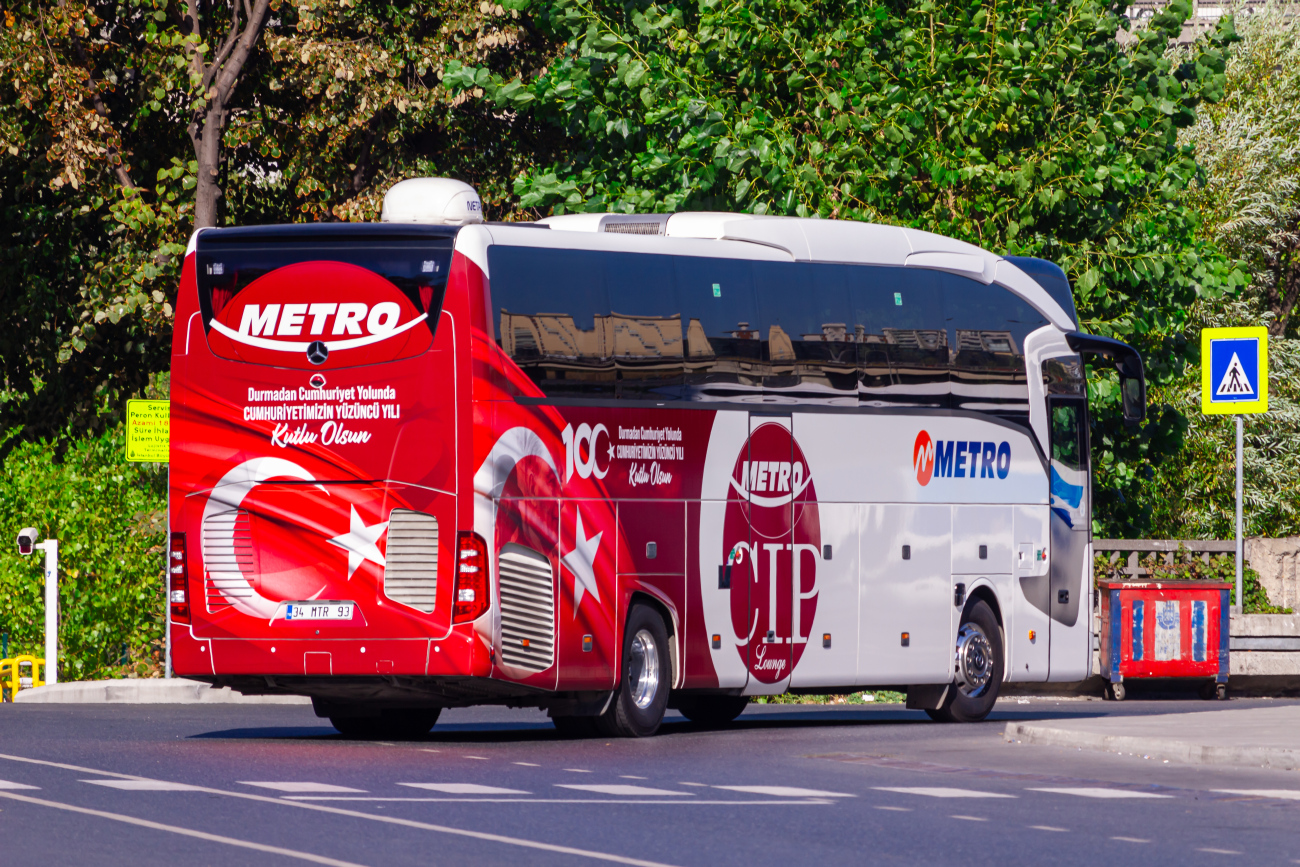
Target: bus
x=611, y=464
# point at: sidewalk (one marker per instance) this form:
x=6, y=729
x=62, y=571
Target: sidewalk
x=1267, y=737
x=176, y=690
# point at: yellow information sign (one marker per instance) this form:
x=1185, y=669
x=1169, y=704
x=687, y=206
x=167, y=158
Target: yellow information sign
x=148, y=430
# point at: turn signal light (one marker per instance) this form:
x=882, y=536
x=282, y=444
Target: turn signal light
x=178, y=580
x=471, y=597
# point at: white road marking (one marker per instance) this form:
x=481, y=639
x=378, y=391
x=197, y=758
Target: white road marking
x=621, y=789
x=578, y=770
x=1130, y=839
x=631, y=777
x=785, y=792
x=1102, y=793
x=486, y=800
x=1285, y=794
x=465, y=789
x=292, y=786
x=1219, y=851
x=893, y=809
x=940, y=792
x=13, y=787
x=187, y=832
x=1046, y=828
x=971, y=818
x=702, y=785
x=476, y=758
x=353, y=814
x=527, y=764
x=143, y=785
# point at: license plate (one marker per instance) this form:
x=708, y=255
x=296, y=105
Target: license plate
x=318, y=610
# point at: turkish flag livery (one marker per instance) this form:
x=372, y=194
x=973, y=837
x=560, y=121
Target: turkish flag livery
x=319, y=316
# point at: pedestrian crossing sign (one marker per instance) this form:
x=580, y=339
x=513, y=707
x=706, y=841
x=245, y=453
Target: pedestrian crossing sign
x=1234, y=370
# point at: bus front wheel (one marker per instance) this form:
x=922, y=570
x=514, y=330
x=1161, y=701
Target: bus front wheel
x=642, y=696
x=977, y=668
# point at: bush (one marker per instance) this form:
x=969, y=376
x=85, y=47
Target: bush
x=1187, y=567
x=110, y=518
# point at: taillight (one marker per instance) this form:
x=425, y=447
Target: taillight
x=178, y=580
x=471, y=588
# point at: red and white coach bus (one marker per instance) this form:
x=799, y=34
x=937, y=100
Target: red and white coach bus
x=611, y=464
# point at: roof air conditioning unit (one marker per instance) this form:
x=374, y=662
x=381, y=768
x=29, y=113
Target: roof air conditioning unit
x=443, y=201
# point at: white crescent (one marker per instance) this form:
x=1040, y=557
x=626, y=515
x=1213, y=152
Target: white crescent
x=220, y=560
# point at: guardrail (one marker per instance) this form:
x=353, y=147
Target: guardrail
x=12, y=679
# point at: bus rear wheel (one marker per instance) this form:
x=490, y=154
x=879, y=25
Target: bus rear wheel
x=712, y=710
x=977, y=668
x=390, y=724
x=642, y=693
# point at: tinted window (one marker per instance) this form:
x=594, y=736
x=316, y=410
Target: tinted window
x=1069, y=443
x=630, y=326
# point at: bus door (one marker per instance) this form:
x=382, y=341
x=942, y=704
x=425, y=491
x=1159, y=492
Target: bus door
x=1071, y=586
x=774, y=480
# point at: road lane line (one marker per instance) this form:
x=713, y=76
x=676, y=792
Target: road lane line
x=1283, y=794
x=357, y=814
x=142, y=785
x=302, y=787
x=785, y=792
x=971, y=818
x=14, y=787
x=748, y=803
x=1090, y=792
x=893, y=809
x=465, y=789
x=940, y=792
x=1130, y=839
x=621, y=789
x=186, y=832
x=1047, y=828
x=527, y=764
x=631, y=777
x=1219, y=851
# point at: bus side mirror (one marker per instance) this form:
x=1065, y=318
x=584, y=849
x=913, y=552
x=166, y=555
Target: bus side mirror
x=1133, y=393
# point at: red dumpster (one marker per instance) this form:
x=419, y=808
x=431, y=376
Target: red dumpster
x=1165, y=629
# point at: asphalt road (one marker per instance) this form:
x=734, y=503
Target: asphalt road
x=214, y=784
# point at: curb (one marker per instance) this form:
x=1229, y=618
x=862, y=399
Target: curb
x=1277, y=758
x=176, y=690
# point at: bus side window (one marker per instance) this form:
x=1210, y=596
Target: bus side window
x=987, y=325
x=1068, y=435
x=810, y=339
x=903, y=353
x=724, y=350
x=642, y=332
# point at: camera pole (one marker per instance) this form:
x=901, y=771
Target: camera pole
x=51, y=547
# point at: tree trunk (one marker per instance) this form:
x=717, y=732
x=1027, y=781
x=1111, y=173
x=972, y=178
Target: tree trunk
x=217, y=80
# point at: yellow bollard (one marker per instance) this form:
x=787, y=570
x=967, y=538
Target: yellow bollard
x=11, y=678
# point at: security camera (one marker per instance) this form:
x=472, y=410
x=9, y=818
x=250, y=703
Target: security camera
x=27, y=541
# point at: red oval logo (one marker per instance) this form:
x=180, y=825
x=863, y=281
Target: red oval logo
x=771, y=551
x=923, y=457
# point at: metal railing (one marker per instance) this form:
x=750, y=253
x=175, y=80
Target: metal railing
x=12, y=678
x=1137, y=548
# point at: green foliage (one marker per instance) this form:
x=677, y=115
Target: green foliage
x=98, y=169
x=110, y=519
x=880, y=696
x=1036, y=128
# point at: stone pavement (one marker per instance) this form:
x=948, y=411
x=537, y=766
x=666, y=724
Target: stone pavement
x=1267, y=737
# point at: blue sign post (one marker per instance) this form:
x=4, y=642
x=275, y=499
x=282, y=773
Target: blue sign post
x=1234, y=381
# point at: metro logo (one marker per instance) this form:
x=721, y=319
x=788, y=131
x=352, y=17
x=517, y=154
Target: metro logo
x=958, y=459
x=382, y=319
x=280, y=315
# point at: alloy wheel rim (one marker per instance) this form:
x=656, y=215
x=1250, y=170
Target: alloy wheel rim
x=643, y=669
x=974, y=660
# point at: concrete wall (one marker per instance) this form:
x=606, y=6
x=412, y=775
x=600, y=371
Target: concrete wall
x=1278, y=563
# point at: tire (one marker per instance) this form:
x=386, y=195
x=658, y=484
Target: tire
x=574, y=727
x=712, y=710
x=978, y=661
x=645, y=678
x=392, y=724
x=1115, y=692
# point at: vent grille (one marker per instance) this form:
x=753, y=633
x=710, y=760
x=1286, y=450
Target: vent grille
x=635, y=224
x=527, y=609
x=228, y=561
x=411, y=560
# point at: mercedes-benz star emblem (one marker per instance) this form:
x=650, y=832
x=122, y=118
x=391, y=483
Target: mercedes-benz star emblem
x=317, y=352
x=317, y=380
